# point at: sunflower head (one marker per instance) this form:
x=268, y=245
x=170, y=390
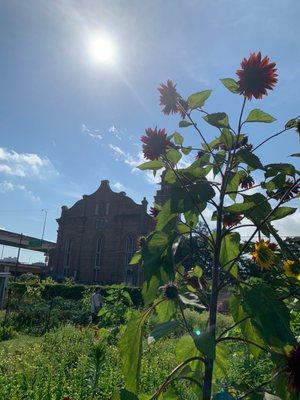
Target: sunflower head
x=154, y=211
x=263, y=254
x=247, y=182
x=230, y=219
x=155, y=143
x=256, y=75
x=170, y=291
x=292, y=268
x=293, y=370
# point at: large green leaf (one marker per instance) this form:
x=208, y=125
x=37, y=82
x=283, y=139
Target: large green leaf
x=173, y=155
x=131, y=350
x=247, y=157
x=197, y=100
x=231, y=85
x=136, y=258
x=258, y=115
x=270, y=316
x=164, y=329
x=178, y=138
x=152, y=165
x=246, y=327
x=166, y=310
x=282, y=212
x=220, y=120
x=184, y=200
x=223, y=396
x=284, y=168
x=205, y=343
x=184, y=124
x=229, y=251
x=166, y=220
x=233, y=183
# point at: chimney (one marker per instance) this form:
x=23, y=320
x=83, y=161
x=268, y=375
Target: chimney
x=104, y=183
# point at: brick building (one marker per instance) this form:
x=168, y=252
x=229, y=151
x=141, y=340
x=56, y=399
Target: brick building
x=97, y=237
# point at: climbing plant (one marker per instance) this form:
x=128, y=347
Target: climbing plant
x=226, y=187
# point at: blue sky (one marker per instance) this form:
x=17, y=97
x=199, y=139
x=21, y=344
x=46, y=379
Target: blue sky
x=67, y=122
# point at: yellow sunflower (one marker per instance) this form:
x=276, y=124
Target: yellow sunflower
x=292, y=268
x=263, y=254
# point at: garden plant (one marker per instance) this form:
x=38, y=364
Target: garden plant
x=227, y=188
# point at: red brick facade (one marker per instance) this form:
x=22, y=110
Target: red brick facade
x=97, y=237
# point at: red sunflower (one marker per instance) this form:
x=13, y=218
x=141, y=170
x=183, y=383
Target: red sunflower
x=256, y=76
x=155, y=143
x=171, y=100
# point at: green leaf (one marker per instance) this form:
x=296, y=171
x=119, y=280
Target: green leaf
x=220, y=120
x=131, y=350
x=152, y=165
x=233, y=183
x=136, y=258
x=227, y=138
x=124, y=395
x=282, y=212
x=173, y=155
x=164, y=329
x=186, y=150
x=229, y=250
x=205, y=343
x=166, y=310
x=184, y=124
x=270, y=316
x=292, y=123
x=231, y=85
x=258, y=115
x=166, y=220
x=178, y=138
x=246, y=327
x=274, y=169
x=200, y=192
x=197, y=100
x=250, y=159
x=197, y=271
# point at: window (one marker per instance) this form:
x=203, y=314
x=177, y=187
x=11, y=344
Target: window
x=98, y=255
x=129, y=252
x=67, y=256
x=102, y=208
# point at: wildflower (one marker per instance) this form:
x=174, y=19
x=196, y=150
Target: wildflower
x=292, y=268
x=170, y=291
x=263, y=254
x=171, y=100
x=154, y=211
x=293, y=370
x=155, y=143
x=247, y=182
x=256, y=76
x=230, y=219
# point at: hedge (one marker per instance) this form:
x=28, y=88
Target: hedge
x=74, y=292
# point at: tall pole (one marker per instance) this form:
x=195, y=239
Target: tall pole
x=44, y=225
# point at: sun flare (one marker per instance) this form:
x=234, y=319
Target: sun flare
x=101, y=49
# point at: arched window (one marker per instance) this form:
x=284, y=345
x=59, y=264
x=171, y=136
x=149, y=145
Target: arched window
x=99, y=251
x=128, y=253
x=67, y=256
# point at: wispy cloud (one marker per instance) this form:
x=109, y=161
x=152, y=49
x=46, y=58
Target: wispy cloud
x=118, y=186
x=93, y=133
x=25, y=164
x=115, y=131
x=7, y=186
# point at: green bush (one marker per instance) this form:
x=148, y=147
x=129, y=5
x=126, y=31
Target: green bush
x=7, y=332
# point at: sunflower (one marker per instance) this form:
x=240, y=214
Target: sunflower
x=292, y=268
x=171, y=100
x=247, y=182
x=256, y=76
x=263, y=254
x=155, y=143
x=230, y=219
x=293, y=370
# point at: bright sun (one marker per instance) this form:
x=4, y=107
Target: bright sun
x=101, y=49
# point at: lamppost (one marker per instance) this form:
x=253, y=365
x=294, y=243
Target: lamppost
x=44, y=225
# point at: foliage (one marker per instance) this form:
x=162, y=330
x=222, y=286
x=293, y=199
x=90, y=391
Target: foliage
x=7, y=332
x=226, y=187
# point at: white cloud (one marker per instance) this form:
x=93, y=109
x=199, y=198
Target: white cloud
x=25, y=164
x=118, y=152
x=93, y=133
x=115, y=131
x=118, y=186
x=6, y=187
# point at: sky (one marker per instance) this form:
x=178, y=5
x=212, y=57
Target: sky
x=67, y=122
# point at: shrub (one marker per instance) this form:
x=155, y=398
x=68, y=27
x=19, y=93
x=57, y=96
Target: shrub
x=6, y=333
